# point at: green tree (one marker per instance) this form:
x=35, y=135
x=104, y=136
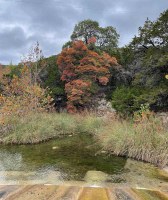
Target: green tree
x=51, y=76
x=152, y=41
x=84, y=30
x=106, y=38
x=146, y=61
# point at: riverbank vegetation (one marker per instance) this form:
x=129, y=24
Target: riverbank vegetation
x=44, y=98
x=144, y=140
x=40, y=127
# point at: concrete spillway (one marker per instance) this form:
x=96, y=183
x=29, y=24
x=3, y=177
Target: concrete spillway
x=68, y=192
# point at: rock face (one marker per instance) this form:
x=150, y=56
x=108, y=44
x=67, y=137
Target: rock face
x=102, y=107
x=96, y=176
x=164, y=117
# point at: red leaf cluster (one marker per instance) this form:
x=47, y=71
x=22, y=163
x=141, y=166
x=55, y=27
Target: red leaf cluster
x=92, y=40
x=103, y=80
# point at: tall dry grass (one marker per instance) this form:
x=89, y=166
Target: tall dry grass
x=39, y=127
x=146, y=140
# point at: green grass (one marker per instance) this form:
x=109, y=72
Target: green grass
x=146, y=141
x=36, y=128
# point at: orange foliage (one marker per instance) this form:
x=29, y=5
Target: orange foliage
x=81, y=68
x=103, y=80
x=78, y=91
x=4, y=70
x=91, y=40
x=20, y=96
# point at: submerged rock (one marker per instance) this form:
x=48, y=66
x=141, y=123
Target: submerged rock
x=55, y=148
x=122, y=195
x=103, y=152
x=117, y=178
x=96, y=176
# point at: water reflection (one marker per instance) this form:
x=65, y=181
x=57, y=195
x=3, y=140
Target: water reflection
x=12, y=171
x=10, y=161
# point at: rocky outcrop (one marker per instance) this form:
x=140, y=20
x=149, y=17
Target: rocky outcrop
x=102, y=107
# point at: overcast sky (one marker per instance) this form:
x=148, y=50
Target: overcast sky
x=51, y=22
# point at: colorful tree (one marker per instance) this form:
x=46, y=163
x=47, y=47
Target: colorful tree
x=22, y=94
x=81, y=70
x=20, y=97
x=4, y=70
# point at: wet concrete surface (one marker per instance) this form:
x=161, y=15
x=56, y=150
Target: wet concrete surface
x=79, y=192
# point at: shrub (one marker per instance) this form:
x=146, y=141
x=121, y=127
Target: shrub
x=124, y=99
x=127, y=100
x=20, y=96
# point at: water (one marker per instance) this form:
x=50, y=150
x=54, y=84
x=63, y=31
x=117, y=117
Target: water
x=68, y=160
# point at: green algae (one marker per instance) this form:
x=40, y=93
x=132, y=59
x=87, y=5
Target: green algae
x=69, y=159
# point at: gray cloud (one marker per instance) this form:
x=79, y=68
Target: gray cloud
x=12, y=37
x=23, y=22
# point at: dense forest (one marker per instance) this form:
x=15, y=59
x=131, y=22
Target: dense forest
x=130, y=76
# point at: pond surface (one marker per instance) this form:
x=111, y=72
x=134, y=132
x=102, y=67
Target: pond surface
x=71, y=159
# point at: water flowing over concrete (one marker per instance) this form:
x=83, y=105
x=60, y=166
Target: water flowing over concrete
x=57, y=192
x=74, y=170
